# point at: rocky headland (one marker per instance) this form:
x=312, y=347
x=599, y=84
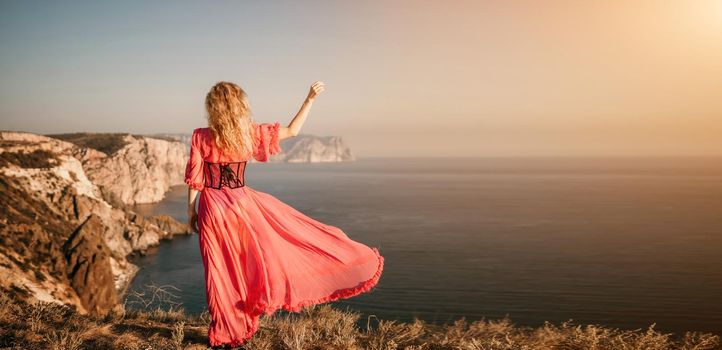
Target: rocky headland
x=130, y=169
x=66, y=230
x=314, y=149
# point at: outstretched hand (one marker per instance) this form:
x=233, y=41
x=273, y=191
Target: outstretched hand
x=316, y=89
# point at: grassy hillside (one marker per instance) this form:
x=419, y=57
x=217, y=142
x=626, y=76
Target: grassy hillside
x=52, y=326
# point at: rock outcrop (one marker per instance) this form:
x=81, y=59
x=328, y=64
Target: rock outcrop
x=131, y=169
x=88, y=266
x=300, y=149
x=314, y=149
x=60, y=240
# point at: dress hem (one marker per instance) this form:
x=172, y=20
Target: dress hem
x=263, y=308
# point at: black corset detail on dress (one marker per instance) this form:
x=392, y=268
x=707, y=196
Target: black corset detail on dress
x=217, y=175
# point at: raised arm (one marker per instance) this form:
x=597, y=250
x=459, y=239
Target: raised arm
x=294, y=127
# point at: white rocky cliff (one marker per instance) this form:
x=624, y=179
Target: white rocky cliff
x=314, y=149
x=132, y=169
x=60, y=240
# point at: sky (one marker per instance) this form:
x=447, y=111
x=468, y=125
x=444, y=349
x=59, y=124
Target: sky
x=403, y=78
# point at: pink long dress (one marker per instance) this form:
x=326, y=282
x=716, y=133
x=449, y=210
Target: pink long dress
x=261, y=255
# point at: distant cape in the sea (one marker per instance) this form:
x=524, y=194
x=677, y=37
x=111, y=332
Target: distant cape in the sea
x=303, y=148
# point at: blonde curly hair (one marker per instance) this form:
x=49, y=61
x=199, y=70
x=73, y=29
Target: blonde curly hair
x=229, y=118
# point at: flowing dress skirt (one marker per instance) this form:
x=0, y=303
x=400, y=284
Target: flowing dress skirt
x=261, y=255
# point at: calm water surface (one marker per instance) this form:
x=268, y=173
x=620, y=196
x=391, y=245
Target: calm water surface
x=623, y=242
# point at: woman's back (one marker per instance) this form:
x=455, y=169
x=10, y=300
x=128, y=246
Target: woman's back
x=260, y=254
x=266, y=134
x=206, y=158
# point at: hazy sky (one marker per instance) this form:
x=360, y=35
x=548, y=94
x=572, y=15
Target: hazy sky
x=440, y=78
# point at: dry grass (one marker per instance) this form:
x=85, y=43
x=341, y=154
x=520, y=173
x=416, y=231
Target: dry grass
x=51, y=326
x=37, y=159
x=107, y=143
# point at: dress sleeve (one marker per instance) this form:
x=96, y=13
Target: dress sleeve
x=194, y=167
x=267, y=141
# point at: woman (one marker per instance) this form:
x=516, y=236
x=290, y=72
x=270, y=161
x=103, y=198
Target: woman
x=259, y=254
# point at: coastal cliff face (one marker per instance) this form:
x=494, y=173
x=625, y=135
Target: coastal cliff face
x=131, y=169
x=300, y=149
x=60, y=239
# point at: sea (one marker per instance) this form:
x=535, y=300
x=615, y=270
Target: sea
x=623, y=242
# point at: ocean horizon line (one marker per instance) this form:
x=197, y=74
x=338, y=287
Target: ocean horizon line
x=591, y=156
